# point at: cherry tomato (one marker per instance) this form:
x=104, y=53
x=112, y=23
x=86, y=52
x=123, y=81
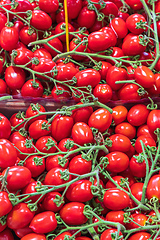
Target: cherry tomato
x=67, y=145
x=119, y=143
x=82, y=114
x=8, y=154
x=114, y=75
x=6, y=205
x=147, y=141
x=72, y=213
x=107, y=234
x=88, y=77
x=110, y=9
x=56, y=161
x=36, y=165
x=25, y=147
x=46, y=144
x=86, y=17
x=32, y=88
x=144, y=76
x=153, y=120
x=6, y=234
x=34, y=110
x=126, y=129
x=138, y=114
x=3, y=85
x=139, y=220
x=48, y=6
x=39, y=128
x=119, y=26
x=115, y=216
x=117, y=161
x=60, y=27
x=119, y=114
x=14, y=77
x=65, y=71
x=81, y=133
x=135, y=4
x=9, y=38
x=5, y=127
x=55, y=43
x=31, y=188
x=153, y=187
x=49, y=202
x=74, y=8
x=130, y=92
x=23, y=56
x=137, y=190
x=104, y=69
x=79, y=165
x=40, y=20
x=34, y=236
x=133, y=21
x=140, y=236
x=62, y=235
x=27, y=35
x=103, y=92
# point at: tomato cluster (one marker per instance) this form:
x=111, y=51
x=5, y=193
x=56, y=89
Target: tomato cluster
x=113, y=50
x=81, y=172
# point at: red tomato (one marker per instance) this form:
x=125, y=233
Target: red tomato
x=65, y=71
x=48, y=6
x=135, y=4
x=6, y=234
x=100, y=119
x=81, y=114
x=9, y=38
x=42, y=53
x=144, y=76
x=139, y=219
x=34, y=236
x=147, y=141
x=114, y=75
x=22, y=6
x=5, y=127
x=81, y=133
x=26, y=147
x=14, y=77
x=130, y=92
x=49, y=203
x=33, y=110
x=3, y=21
x=62, y=236
x=67, y=145
x=133, y=21
x=140, y=236
x=138, y=114
x=46, y=144
x=3, y=85
x=117, y=161
x=20, y=216
x=61, y=28
x=126, y=129
x=55, y=43
x=44, y=222
x=87, y=77
x=115, y=216
x=79, y=191
x=39, y=128
x=137, y=190
x=32, y=88
x=18, y=177
x=116, y=199
x=31, y=188
x=119, y=26
x=86, y=17
x=23, y=56
x=103, y=92
x=36, y=165
x=119, y=114
x=153, y=187
x=55, y=161
x=110, y=9
x=153, y=120
x=27, y=35
x=119, y=143
x=72, y=213
x=6, y=205
x=21, y=232
x=104, y=69
x=79, y=165
x=61, y=127
x=40, y=20
x=74, y=7
x=8, y=154
x=61, y=93
x=107, y=234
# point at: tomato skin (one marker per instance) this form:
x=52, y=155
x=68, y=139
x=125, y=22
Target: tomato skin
x=103, y=92
x=131, y=23
x=6, y=205
x=40, y=20
x=39, y=128
x=144, y=76
x=126, y=129
x=32, y=89
x=104, y=69
x=2, y=21
x=31, y=188
x=48, y=6
x=116, y=199
x=115, y=216
x=129, y=92
x=3, y=85
x=18, y=177
x=138, y=169
x=138, y=114
x=5, y=127
x=44, y=222
x=62, y=145
x=137, y=218
x=9, y=38
x=79, y=165
x=153, y=120
x=87, y=77
x=20, y=216
x=119, y=143
x=100, y=119
x=6, y=234
x=21, y=145
x=61, y=127
x=34, y=236
x=110, y=8
x=23, y=56
x=42, y=144
x=53, y=177
x=140, y=236
x=72, y=213
x=131, y=45
x=53, y=161
x=65, y=71
x=120, y=27
x=56, y=43
x=86, y=18
x=118, y=161
x=32, y=110
x=82, y=114
x=36, y=165
x=148, y=141
x=153, y=187
x=49, y=204
x=14, y=77
x=101, y=40
x=74, y=8
x=119, y=114
x=81, y=133
x=8, y=154
x=114, y=75
x=137, y=189
x=79, y=191
x=60, y=28
x=63, y=96
x=107, y=234
x=27, y=35
x=62, y=236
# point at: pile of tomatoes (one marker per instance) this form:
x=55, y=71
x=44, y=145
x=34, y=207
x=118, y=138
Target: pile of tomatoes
x=81, y=172
x=113, y=50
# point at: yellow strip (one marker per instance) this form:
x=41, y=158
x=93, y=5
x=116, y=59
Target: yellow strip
x=66, y=22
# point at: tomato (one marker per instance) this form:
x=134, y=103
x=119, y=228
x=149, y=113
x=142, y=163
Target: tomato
x=9, y=38
x=33, y=110
x=55, y=43
x=31, y=188
x=54, y=177
x=18, y=177
x=74, y=7
x=119, y=143
x=153, y=187
x=137, y=190
x=22, y=6
x=61, y=28
x=110, y=9
x=81, y=133
x=8, y=154
x=116, y=199
x=132, y=23
x=130, y=92
x=126, y=129
x=39, y=128
x=49, y=202
x=27, y=35
x=21, y=232
x=46, y=144
x=153, y=120
x=48, y=6
x=119, y=114
x=5, y=127
x=44, y=222
x=20, y=216
x=88, y=77
x=79, y=191
x=132, y=46
x=61, y=127
x=62, y=236
x=107, y=234
x=140, y=236
x=14, y=77
x=138, y=114
x=117, y=161
x=147, y=141
x=3, y=21
x=86, y=17
x=40, y=20
x=67, y=145
x=23, y=56
x=104, y=69
x=115, y=216
x=100, y=119
x=6, y=234
x=114, y=75
x=24, y=148
x=139, y=219
x=79, y=165
x=119, y=26
x=135, y=5
x=101, y=40
x=42, y=53
x=56, y=161
x=34, y=236
x=65, y=71
x=32, y=88
x=103, y=92
x=72, y=213
x=36, y=165
x=61, y=93
x=81, y=114
x=3, y=85
x=6, y=205
x=144, y=76
x=144, y=130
